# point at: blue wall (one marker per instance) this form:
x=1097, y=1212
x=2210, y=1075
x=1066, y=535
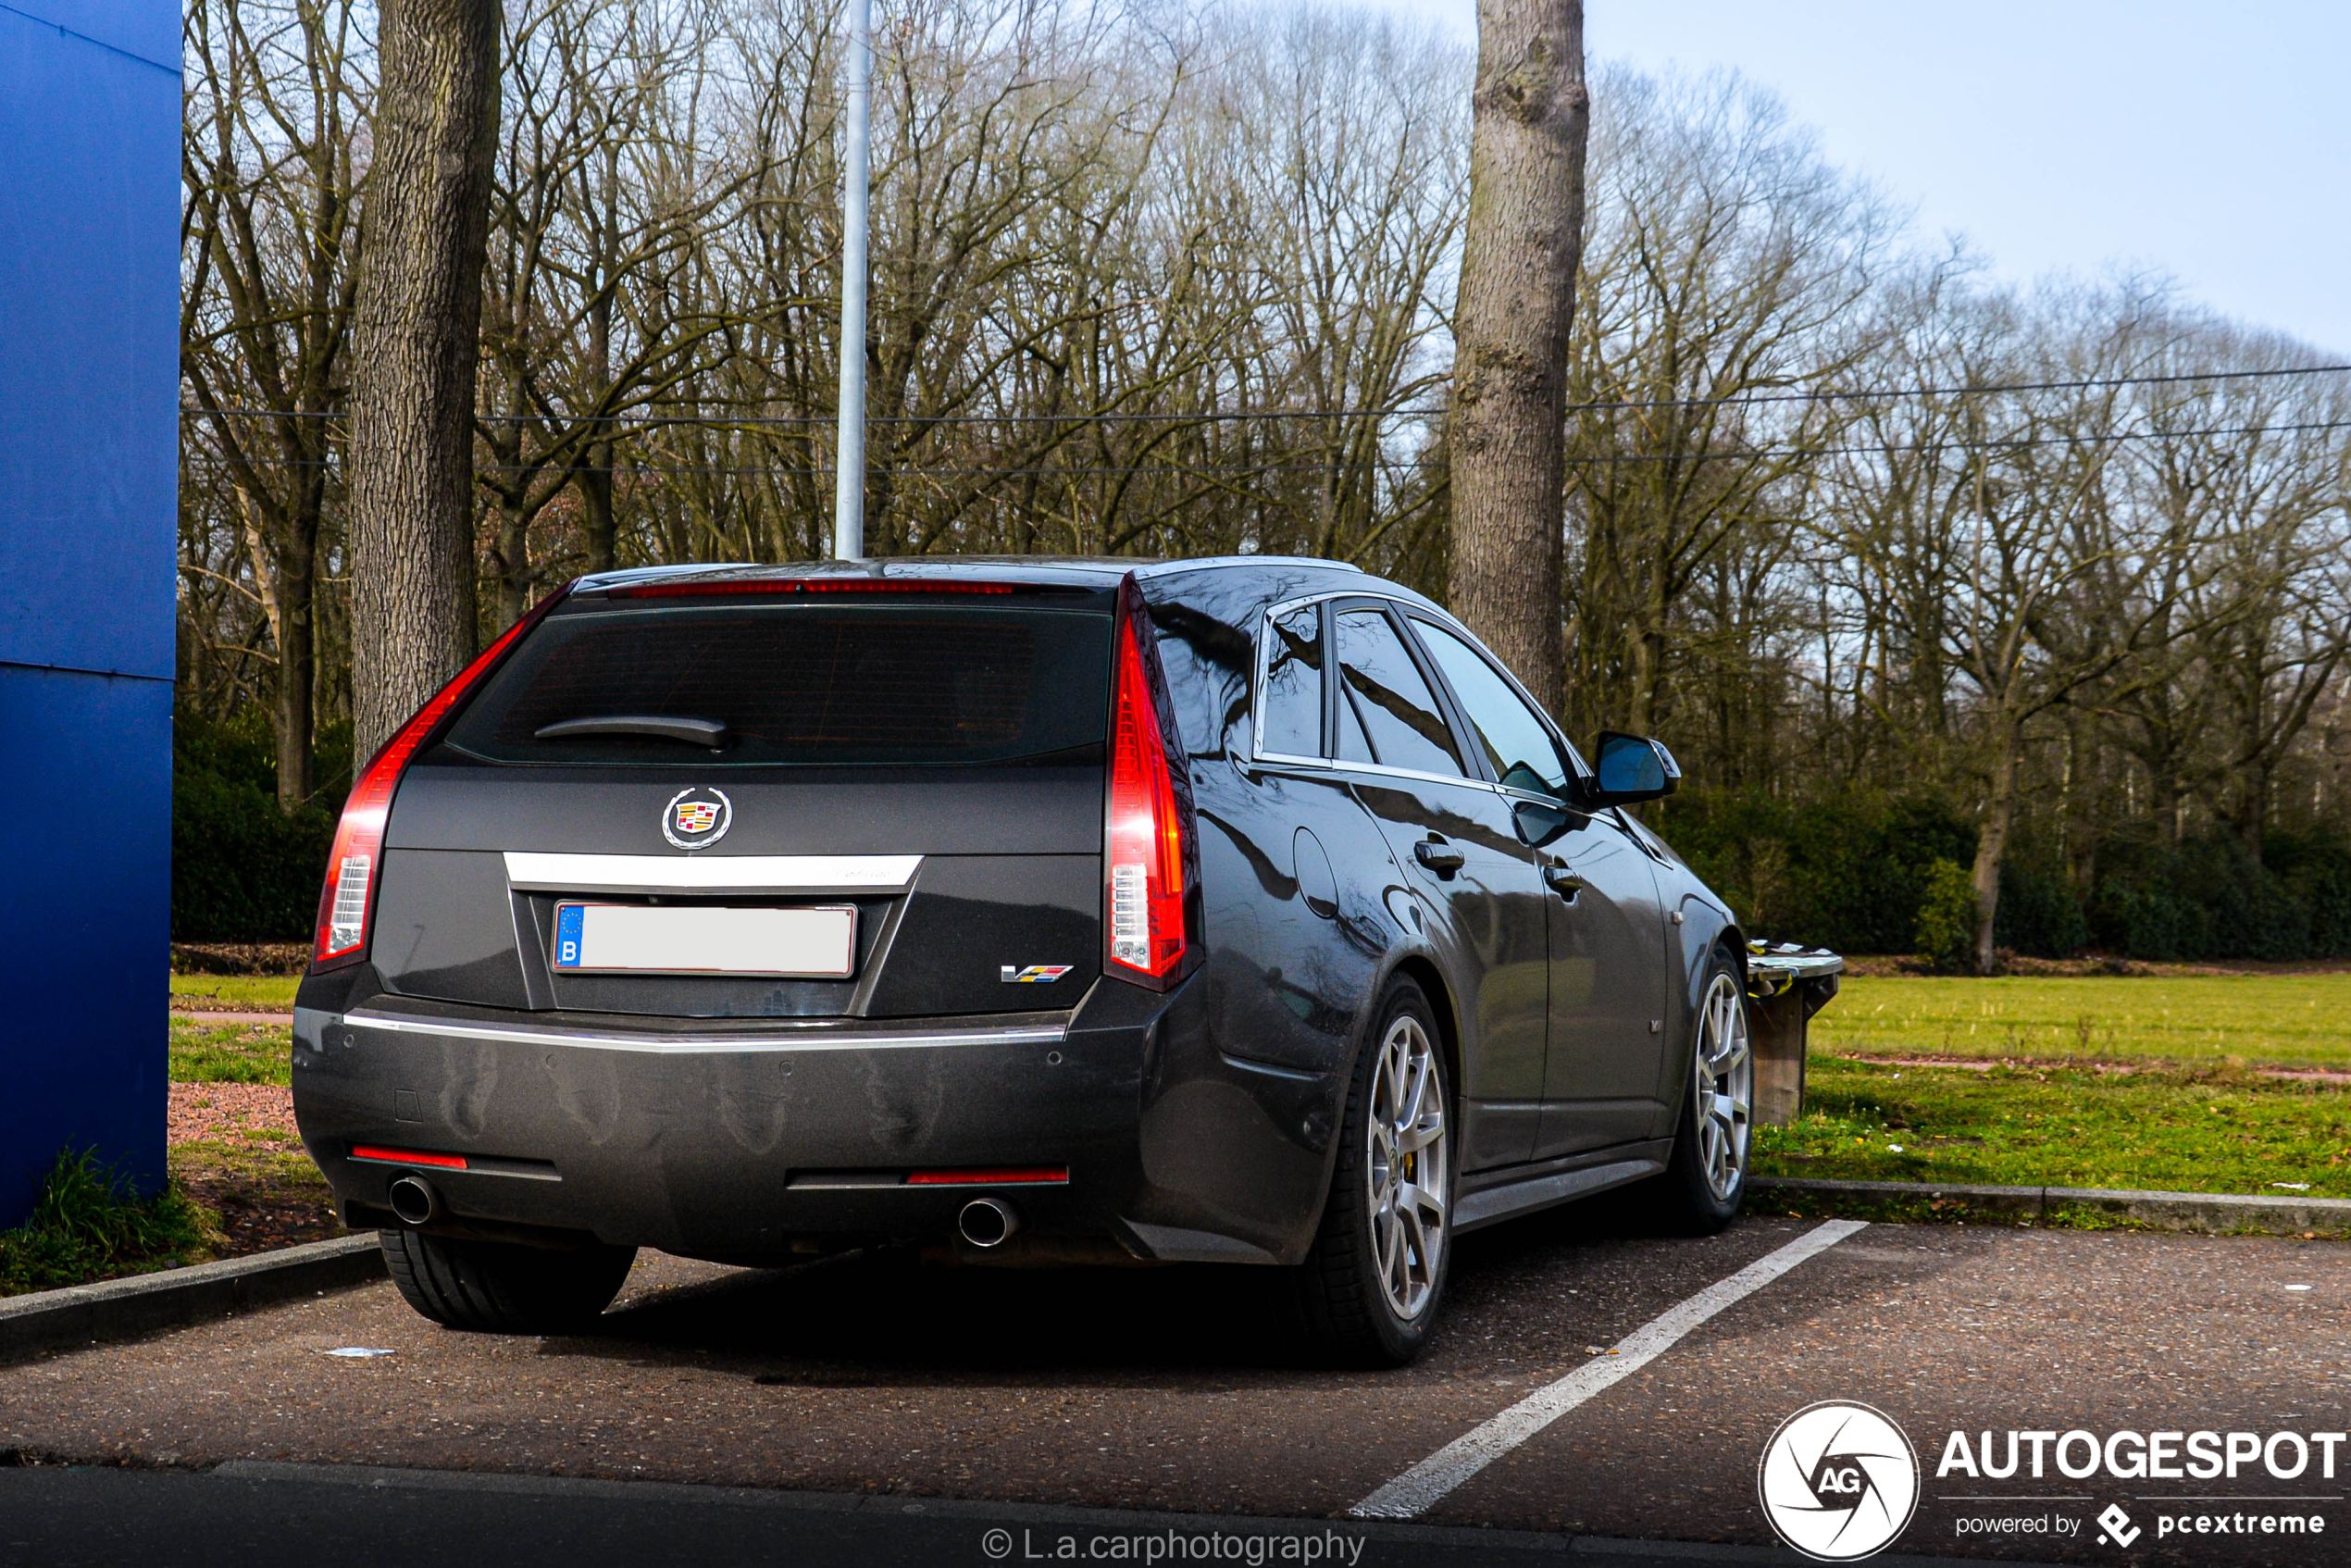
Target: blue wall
x=89, y=384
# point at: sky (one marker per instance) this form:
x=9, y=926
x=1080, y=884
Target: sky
x=2210, y=142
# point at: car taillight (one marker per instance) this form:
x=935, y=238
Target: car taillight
x=1148, y=852
x=346, y=904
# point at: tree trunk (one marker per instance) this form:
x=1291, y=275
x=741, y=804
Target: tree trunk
x=416, y=344
x=1992, y=840
x=1520, y=247
x=597, y=525
x=283, y=560
x=297, y=669
x=2253, y=805
x=511, y=556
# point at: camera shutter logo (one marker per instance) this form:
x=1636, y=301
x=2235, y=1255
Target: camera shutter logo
x=1839, y=1481
x=697, y=819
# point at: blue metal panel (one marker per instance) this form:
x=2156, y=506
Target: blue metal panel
x=131, y=27
x=89, y=381
x=85, y=923
x=89, y=347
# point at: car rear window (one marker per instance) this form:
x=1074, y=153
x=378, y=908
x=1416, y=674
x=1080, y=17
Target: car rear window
x=798, y=684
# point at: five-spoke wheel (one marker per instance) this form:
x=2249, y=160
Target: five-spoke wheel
x=1725, y=1088
x=1407, y=1166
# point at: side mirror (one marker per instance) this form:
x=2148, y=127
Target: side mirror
x=1631, y=768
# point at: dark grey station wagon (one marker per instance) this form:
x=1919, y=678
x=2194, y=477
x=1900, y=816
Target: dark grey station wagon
x=1241, y=911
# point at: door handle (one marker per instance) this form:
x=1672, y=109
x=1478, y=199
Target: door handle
x=1439, y=857
x=1562, y=881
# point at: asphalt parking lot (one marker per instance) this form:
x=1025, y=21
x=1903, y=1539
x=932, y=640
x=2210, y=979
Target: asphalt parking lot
x=1181, y=1391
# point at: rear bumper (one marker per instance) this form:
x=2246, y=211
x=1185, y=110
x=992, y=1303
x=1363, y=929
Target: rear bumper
x=736, y=1141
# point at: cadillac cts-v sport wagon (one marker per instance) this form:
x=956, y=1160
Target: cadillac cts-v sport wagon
x=1242, y=911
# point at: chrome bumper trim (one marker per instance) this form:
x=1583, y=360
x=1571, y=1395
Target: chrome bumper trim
x=664, y=1044
x=712, y=874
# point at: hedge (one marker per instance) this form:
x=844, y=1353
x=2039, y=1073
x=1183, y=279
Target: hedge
x=241, y=870
x=1864, y=873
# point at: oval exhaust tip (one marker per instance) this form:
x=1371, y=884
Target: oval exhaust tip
x=985, y=1222
x=414, y=1200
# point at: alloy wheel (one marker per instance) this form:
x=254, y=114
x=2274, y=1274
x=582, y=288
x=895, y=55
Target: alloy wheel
x=1408, y=1166
x=1725, y=1088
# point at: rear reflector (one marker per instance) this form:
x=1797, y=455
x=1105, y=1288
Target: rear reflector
x=707, y=588
x=408, y=1157
x=992, y=1175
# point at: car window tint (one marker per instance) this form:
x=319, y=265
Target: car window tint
x=1513, y=736
x=1398, y=711
x=818, y=684
x=1293, y=719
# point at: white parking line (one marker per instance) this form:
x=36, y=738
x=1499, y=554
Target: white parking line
x=1412, y=1494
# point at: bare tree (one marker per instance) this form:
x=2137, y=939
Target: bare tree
x=268, y=171
x=1520, y=247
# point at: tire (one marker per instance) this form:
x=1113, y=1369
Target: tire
x=1704, y=1179
x=498, y=1288
x=1374, y=1276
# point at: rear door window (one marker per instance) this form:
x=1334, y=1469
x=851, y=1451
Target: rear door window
x=1516, y=741
x=1291, y=723
x=1384, y=688
x=815, y=686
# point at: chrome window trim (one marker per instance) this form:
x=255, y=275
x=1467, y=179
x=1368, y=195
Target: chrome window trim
x=1377, y=770
x=805, y=1040
x=531, y=871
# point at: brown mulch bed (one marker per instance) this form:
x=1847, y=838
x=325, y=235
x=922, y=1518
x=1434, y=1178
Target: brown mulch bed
x=215, y=1109
x=239, y=958
x=2044, y=1064
x=234, y=1146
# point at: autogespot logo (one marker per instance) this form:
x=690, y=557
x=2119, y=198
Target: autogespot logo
x=1839, y=1481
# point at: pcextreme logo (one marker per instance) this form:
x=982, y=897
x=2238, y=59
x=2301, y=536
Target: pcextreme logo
x=1839, y=1481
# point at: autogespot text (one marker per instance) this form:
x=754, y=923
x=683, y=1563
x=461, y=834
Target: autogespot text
x=2142, y=1456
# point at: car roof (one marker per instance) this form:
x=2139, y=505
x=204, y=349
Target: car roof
x=1074, y=571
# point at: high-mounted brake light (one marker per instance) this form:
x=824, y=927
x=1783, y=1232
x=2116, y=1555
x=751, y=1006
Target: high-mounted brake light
x=729, y=588
x=347, y=903
x=1149, y=859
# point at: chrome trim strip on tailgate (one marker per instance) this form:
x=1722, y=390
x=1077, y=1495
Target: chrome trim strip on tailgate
x=717, y=873
x=808, y=1039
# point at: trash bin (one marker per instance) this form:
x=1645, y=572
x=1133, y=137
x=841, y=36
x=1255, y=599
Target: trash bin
x=1786, y=985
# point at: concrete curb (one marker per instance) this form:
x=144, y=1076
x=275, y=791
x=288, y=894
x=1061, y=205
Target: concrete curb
x=125, y=1309
x=2164, y=1211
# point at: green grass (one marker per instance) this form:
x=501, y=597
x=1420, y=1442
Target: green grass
x=2160, y=1128
x=2265, y=1020
x=237, y=1054
x=87, y=1226
x=256, y=993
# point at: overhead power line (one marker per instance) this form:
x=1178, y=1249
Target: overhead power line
x=1734, y=454
x=1838, y=394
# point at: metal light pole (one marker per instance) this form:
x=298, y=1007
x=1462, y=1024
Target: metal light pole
x=849, y=480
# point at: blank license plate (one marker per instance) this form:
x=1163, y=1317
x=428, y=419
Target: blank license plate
x=819, y=944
